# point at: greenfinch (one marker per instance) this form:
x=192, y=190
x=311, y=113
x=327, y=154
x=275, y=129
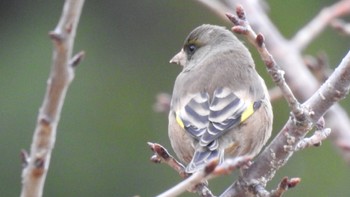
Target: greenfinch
x=220, y=106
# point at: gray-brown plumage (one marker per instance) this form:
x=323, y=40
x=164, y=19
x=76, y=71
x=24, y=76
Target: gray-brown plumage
x=220, y=106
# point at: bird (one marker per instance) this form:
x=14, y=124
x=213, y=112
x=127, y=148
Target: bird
x=220, y=106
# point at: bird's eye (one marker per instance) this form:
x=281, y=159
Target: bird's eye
x=192, y=48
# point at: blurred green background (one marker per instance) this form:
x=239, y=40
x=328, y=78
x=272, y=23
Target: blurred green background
x=107, y=117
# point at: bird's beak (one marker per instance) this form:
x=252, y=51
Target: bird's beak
x=179, y=58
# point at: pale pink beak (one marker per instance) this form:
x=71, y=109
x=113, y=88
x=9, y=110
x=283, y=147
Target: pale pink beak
x=179, y=58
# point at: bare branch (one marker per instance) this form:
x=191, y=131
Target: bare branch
x=279, y=151
x=341, y=26
x=242, y=26
x=316, y=139
x=161, y=155
x=229, y=165
x=300, y=79
x=62, y=73
x=199, y=178
x=76, y=59
x=319, y=66
x=315, y=27
x=284, y=185
x=190, y=183
x=283, y=146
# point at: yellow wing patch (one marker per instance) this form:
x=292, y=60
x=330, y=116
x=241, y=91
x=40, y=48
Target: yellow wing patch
x=248, y=112
x=179, y=121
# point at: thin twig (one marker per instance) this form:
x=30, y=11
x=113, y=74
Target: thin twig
x=187, y=184
x=305, y=35
x=319, y=66
x=242, y=26
x=284, y=185
x=341, y=26
x=315, y=140
x=161, y=155
x=300, y=79
x=211, y=170
x=283, y=146
x=62, y=74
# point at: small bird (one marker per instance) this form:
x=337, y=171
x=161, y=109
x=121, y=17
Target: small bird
x=220, y=106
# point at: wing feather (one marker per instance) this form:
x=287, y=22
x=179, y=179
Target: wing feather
x=207, y=119
x=195, y=115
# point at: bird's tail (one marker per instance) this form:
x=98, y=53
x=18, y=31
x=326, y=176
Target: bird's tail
x=202, y=157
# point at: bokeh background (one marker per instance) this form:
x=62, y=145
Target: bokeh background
x=107, y=117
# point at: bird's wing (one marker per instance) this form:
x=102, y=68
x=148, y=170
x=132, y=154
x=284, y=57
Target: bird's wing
x=194, y=116
x=226, y=110
x=207, y=120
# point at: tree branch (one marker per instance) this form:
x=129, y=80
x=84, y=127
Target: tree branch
x=304, y=116
x=62, y=74
x=284, y=185
x=197, y=181
x=305, y=35
x=341, y=26
x=241, y=26
x=161, y=155
x=291, y=61
x=285, y=143
x=301, y=121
